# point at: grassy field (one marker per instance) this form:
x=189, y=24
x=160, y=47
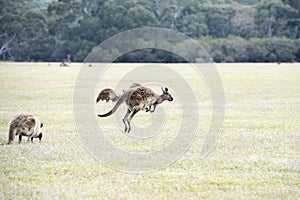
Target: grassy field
x=256, y=157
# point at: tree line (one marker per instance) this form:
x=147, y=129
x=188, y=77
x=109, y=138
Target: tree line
x=230, y=30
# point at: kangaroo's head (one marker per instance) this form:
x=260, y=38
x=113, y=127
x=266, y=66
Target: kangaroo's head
x=166, y=95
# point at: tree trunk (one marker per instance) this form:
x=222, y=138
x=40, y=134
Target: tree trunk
x=270, y=24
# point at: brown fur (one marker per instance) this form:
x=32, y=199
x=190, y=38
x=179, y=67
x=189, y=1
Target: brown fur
x=136, y=99
x=24, y=124
x=107, y=95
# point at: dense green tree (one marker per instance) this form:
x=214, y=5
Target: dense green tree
x=243, y=21
x=219, y=20
x=34, y=42
x=294, y=23
x=119, y=15
x=272, y=18
x=64, y=16
x=192, y=20
x=30, y=27
x=272, y=50
x=230, y=30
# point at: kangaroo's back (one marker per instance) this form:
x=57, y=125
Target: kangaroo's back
x=141, y=96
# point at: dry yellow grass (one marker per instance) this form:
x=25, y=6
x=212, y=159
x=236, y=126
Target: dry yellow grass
x=256, y=157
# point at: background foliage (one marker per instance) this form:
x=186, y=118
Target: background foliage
x=231, y=30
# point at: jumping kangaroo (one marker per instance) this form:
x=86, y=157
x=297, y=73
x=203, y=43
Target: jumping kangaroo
x=136, y=99
x=25, y=124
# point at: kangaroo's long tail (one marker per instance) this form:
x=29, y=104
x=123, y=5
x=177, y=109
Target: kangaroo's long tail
x=115, y=98
x=117, y=105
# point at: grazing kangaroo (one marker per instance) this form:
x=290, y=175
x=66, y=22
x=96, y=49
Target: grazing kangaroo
x=109, y=94
x=25, y=124
x=136, y=99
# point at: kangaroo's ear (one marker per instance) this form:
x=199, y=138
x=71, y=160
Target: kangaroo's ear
x=165, y=90
x=42, y=125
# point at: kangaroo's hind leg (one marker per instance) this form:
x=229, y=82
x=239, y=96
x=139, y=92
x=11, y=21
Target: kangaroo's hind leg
x=129, y=119
x=125, y=120
x=20, y=138
x=29, y=139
